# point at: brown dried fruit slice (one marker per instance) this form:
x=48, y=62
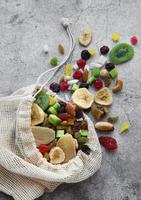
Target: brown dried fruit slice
x=66, y=143
x=104, y=97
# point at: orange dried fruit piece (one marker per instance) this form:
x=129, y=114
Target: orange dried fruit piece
x=85, y=75
x=71, y=109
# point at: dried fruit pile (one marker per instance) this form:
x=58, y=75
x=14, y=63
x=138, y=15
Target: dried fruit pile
x=79, y=77
x=59, y=128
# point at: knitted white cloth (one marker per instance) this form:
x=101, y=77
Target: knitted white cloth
x=24, y=173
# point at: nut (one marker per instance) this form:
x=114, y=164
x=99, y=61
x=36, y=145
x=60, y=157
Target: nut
x=104, y=126
x=118, y=86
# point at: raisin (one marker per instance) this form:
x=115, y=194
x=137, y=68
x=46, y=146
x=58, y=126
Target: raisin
x=104, y=50
x=86, y=149
x=85, y=55
x=55, y=87
x=109, y=66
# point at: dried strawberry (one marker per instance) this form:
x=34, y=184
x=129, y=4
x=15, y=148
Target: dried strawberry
x=64, y=116
x=108, y=142
x=43, y=148
x=64, y=86
x=81, y=63
x=98, y=84
x=77, y=74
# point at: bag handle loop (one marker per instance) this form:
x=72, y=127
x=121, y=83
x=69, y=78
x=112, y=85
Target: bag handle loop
x=66, y=24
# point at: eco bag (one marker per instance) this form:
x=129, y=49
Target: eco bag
x=24, y=173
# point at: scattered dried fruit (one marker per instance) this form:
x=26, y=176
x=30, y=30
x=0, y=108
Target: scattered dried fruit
x=104, y=97
x=96, y=72
x=55, y=87
x=104, y=126
x=71, y=109
x=68, y=69
x=107, y=82
x=109, y=66
x=104, y=74
x=61, y=49
x=83, y=98
x=114, y=73
x=98, y=84
x=134, y=40
x=104, y=50
x=98, y=111
x=85, y=54
x=64, y=86
x=92, y=52
x=124, y=127
x=108, y=142
x=77, y=74
x=84, y=85
x=113, y=119
x=81, y=63
x=64, y=116
x=54, y=61
x=118, y=86
x=85, y=75
x=115, y=37
x=85, y=38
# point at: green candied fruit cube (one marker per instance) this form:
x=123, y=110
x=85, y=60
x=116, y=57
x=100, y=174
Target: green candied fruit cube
x=74, y=87
x=91, y=79
x=53, y=119
x=60, y=133
x=114, y=73
x=56, y=106
x=96, y=72
x=52, y=110
x=54, y=61
x=84, y=133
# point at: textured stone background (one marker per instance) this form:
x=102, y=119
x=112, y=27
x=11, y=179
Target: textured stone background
x=26, y=25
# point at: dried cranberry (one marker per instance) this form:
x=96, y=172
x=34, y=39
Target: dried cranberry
x=81, y=63
x=55, y=87
x=64, y=116
x=79, y=113
x=75, y=129
x=134, y=40
x=64, y=86
x=77, y=74
x=109, y=66
x=85, y=149
x=84, y=85
x=85, y=55
x=108, y=142
x=104, y=50
x=43, y=148
x=98, y=84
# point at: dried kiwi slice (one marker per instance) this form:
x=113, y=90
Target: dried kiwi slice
x=42, y=99
x=121, y=53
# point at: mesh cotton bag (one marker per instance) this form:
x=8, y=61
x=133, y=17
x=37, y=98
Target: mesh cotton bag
x=24, y=173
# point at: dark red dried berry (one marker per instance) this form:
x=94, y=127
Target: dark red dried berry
x=62, y=109
x=104, y=50
x=62, y=103
x=64, y=116
x=108, y=142
x=64, y=86
x=81, y=63
x=43, y=148
x=98, y=84
x=55, y=87
x=77, y=74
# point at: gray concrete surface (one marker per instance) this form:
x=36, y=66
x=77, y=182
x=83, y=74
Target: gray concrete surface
x=26, y=25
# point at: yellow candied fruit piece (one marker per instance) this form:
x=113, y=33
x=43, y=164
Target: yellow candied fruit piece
x=68, y=69
x=124, y=127
x=52, y=100
x=92, y=52
x=115, y=37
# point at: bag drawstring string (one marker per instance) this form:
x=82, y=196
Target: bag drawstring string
x=66, y=23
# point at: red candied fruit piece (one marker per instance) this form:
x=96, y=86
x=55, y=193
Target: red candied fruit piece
x=134, y=40
x=81, y=63
x=108, y=142
x=98, y=84
x=64, y=86
x=43, y=148
x=77, y=74
x=64, y=116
